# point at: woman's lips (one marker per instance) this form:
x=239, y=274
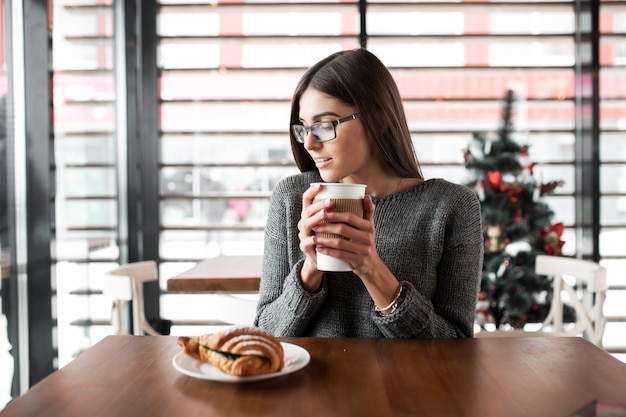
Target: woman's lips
x=322, y=162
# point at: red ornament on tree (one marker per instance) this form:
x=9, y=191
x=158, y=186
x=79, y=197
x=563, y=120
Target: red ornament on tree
x=551, y=236
x=495, y=178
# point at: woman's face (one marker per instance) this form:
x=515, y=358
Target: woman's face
x=348, y=156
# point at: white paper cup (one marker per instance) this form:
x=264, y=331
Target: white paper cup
x=346, y=197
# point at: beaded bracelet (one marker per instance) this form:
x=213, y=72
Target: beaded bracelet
x=392, y=306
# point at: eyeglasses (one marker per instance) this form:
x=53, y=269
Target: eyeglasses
x=322, y=131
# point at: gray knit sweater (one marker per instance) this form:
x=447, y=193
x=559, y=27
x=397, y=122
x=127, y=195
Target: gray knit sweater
x=429, y=236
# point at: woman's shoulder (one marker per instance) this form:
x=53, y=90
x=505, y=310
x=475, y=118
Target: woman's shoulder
x=441, y=184
x=444, y=190
x=460, y=196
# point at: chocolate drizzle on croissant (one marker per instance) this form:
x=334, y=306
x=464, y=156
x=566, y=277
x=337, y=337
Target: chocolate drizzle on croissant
x=238, y=351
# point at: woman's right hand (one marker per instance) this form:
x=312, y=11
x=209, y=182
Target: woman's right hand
x=312, y=215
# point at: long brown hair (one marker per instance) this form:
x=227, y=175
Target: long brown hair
x=358, y=78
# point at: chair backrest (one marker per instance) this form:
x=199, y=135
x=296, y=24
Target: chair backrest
x=585, y=284
x=125, y=284
x=137, y=271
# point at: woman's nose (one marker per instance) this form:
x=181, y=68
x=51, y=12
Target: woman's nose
x=310, y=142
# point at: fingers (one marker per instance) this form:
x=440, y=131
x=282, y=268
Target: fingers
x=309, y=194
x=309, y=205
x=313, y=213
x=359, y=242
x=353, y=228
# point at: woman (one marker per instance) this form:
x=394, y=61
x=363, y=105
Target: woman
x=417, y=252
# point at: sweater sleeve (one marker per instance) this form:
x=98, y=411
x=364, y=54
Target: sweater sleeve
x=449, y=310
x=285, y=307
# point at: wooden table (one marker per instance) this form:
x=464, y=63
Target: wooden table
x=229, y=274
x=134, y=376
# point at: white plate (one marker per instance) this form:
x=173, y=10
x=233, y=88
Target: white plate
x=296, y=358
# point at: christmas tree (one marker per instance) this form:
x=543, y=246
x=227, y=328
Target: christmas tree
x=517, y=227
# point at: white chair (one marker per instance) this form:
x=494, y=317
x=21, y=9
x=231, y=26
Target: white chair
x=584, y=283
x=6, y=361
x=125, y=284
x=578, y=283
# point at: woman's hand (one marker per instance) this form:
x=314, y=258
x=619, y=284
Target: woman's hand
x=359, y=246
x=358, y=249
x=312, y=215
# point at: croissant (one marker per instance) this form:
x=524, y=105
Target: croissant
x=237, y=351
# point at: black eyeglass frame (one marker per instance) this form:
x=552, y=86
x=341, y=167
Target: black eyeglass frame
x=334, y=124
